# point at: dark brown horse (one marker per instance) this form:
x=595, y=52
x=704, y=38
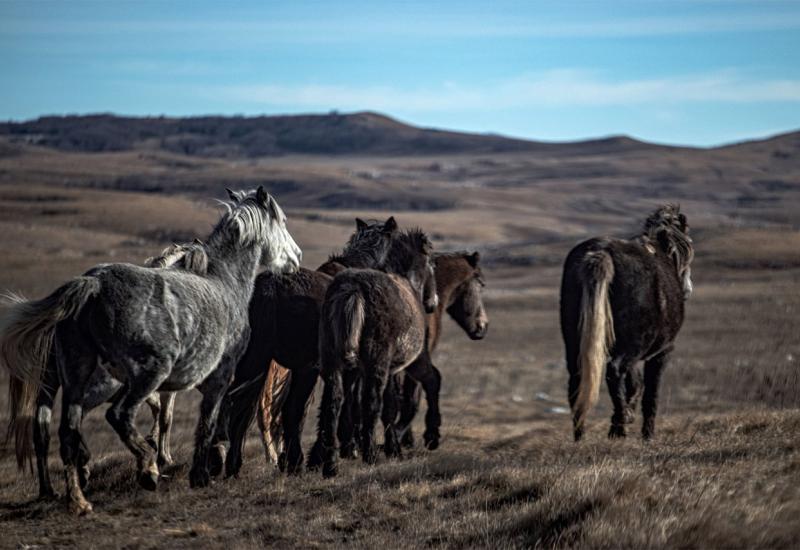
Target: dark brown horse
x=284, y=320
x=373, y=325
x=459, y=281
x=622, y=301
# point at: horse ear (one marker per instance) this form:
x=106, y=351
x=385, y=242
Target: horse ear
x=390, y=226
x=683, y=222
x=232, y=195
x=425, y=246
x=360, y=224
x=197, y=241
x=262, y=196
x=474, y=258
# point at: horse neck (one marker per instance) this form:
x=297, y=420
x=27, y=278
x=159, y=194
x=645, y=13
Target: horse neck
x=236, y=267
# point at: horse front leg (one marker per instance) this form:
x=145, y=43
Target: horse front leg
x=154, y=402
x=213, y=390
x=412, y=392
x=426, y=374
x=653, y=369
x=165, y=428
x=301, y=385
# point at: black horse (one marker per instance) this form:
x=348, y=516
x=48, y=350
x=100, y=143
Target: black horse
x=622, y=301
x=284, y=320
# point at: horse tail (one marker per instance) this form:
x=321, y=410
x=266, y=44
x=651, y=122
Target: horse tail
x=26, y=339
x=276, y=390
x=596, y=328
x=347, y=322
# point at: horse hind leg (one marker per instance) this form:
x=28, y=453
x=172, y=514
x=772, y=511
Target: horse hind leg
x=616, y=371
x=374, y=383
x=41, y=427
x=653, y=368
x=633, y=392
x=391, y=443
x=348, y=416
x=122, y=415
x=75, y=366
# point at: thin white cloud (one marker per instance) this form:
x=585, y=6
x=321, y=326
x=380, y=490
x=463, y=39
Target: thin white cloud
x=554, y=88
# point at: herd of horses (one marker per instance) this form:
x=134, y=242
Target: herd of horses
x=366, y=321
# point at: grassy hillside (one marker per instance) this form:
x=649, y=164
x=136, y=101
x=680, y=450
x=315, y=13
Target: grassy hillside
x=721, y=473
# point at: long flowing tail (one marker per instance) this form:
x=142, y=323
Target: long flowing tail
x=273, y=396
x=346, y=318
x=596, y=332
x=25, y=341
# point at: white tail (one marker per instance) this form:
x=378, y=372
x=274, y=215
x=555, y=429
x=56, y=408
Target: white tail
x=596, y=332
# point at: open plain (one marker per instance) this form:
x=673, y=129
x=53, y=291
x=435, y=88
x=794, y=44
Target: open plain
x=722, y=471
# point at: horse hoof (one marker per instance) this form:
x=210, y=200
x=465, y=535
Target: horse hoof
x=165, y=460
x=329, y=471
x=215, y=467
x=148, y=480
x=47, y=496
x=630, y=416
x=84, y=473
x=616, y=432
x=349, y=452
x=407, y=440
x=199, y=480
x=294, y=469
x=431, y=441
x=370, y=457
x=80, y=507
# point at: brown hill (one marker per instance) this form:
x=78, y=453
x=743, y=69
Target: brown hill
x=236, y=137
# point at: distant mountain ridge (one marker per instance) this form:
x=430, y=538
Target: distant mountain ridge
x=247, y=137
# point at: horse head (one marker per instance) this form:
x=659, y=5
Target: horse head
x=668, y=227
x=256, y=217
x=466, y=302
x=412, y=257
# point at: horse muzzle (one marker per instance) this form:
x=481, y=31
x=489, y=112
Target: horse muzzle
x=480, y=331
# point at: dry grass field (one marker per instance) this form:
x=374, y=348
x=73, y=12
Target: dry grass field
x=722, y=472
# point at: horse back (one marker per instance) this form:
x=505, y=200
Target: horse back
x=645, y=294
x=393, y=315
x=285, y=309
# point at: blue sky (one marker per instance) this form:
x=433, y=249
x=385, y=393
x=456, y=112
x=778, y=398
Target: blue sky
x=700, y=72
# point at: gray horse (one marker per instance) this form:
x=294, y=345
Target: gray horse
x=156, y=329
x=102, y=387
